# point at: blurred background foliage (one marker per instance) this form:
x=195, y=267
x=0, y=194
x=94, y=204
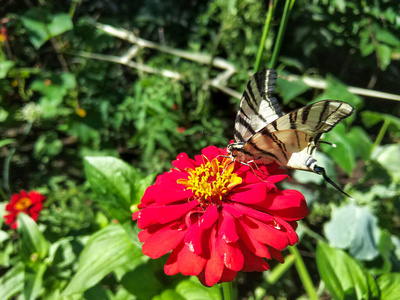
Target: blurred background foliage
x=66, y=94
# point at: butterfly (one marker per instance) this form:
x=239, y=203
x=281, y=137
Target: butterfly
x=263, y=134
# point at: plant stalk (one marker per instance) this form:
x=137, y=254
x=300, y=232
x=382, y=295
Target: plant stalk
x=270, y=13
x=288, y=7
x=303, y=274
x=227, y=290
x=381, y=134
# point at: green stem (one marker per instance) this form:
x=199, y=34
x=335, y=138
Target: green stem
x=280, y=269
x=381, y=134
x=303, y=273
x=270, y=13
x=72, y=8
x=227, y=290
x=288, y=7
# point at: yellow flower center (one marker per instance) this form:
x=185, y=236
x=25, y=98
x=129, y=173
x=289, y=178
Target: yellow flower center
x=211, y=181
x=23, y=203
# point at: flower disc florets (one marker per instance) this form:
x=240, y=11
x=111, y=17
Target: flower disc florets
x=218, y=217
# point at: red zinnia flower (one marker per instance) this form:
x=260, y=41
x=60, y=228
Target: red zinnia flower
x=29, y=203
x=218, y=217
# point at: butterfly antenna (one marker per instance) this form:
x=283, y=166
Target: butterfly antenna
x=330, y=144
x=205, y=133
x=322, y=172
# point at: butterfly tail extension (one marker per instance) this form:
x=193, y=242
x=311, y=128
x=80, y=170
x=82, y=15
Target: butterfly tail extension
x=321, y=171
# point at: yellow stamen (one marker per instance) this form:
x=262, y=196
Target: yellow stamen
x=211, y=181
x=23, y=203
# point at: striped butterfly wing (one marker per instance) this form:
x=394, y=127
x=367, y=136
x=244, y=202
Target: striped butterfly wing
x=291, y=139
x=258, y=107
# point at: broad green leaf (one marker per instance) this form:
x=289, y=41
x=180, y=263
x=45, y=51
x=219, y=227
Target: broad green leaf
x=33, y=243
x=389, y=286
x=143, y=282
x=115, y=182
x=5, y=66
x=337, y=90
x=360, y=142
x=106, y=250
x=343, y=154
x=371, y=118
x=12, y=282
x=343, y=276
x=388, y=157
x=384, y=54
x=33, y=281
x=41, y=25
x=193, y=289
x=354, y=228
x=385, y=36
x=290, y=89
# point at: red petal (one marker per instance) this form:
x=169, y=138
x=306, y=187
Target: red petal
x=162, y=241
x=183, y=161
x=253, y=263
x=171, y=266
x=227, y=275
x=250, y=194
x=198, y=234
x=252, y=244
x=163, y=214
x=260, y=215
x=227, y=230
x=233, y=258
x=190, y=263
x=215, y=265
x=289, y=205
x=228, y=207
x=210, y=152
x=276, y=254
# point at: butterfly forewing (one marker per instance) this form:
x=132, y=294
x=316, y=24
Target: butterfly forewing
x=257, y=107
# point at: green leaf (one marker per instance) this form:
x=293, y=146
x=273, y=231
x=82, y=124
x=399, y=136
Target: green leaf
x=12, y=282
x=385, y=36
x=115, y=181
x=389, y=285
x=371, y=118
x=5, y=66
x=7, y=142
x=41, y=25
x=343, y=276
x=354, y=228
x=384, y=54
x=360, y=142
x=290, y=89
x=193, y=289
x=388, y=157
x=343, y=154
x=338, y=91
x=33, y=281
x=106, y=250
x=33, y=243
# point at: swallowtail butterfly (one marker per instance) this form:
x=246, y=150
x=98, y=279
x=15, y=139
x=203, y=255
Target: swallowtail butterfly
x=263, y=134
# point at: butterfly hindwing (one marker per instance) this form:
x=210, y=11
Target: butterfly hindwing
x=257, y=107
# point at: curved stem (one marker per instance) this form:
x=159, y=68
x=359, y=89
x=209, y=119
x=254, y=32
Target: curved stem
x=380, y=136
x=270, y=13
x=303, y=274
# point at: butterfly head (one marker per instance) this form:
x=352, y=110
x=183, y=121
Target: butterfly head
x=234, y=151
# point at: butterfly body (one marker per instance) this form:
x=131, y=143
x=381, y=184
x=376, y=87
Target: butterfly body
x=263, y=134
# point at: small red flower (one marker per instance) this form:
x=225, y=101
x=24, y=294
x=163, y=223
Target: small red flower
x=29, y=203
x=218, y=217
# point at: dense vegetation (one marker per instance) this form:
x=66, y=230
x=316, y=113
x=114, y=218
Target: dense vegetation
x=138, y=82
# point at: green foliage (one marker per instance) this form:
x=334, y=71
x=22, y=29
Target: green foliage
x=91, y=135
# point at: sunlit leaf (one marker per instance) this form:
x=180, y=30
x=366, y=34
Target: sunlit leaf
x=354, y=228
x=389, y=285
x=5, y=66
x=388, y=157
x=41, y=25
x=384, y=53
x=33, y=244
x=12, y=282
x=105, y=251
x=343, y=276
